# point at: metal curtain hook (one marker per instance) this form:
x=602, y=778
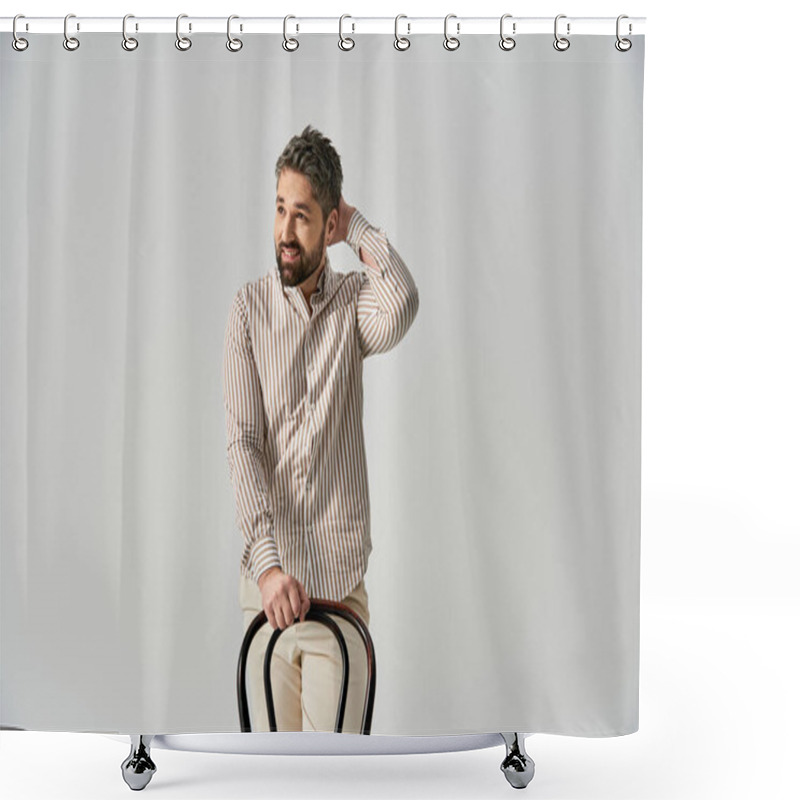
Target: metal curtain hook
x=128, y=42
x=17, y=42
x=623, y=45
x=182, y=42
x=400, y=42
x=288, y=42
x=451, y=42
x=70, y=42
x=561, y=43
x=345, y=42
x=233, y=44
x=507, y=42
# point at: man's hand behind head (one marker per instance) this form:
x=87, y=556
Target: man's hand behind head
x=345, y=212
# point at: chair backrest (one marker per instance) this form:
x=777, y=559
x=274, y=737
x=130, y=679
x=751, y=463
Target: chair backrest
x=320, y=611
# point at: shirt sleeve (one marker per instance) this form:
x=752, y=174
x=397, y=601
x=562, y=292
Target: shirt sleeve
x=387, y=298
x=245, y=432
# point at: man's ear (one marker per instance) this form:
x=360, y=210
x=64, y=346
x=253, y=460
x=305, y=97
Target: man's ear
x=332, y=224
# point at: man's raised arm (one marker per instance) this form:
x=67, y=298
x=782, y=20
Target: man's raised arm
x=388, y=299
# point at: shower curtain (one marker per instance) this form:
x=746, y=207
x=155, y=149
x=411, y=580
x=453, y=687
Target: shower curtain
x=454, y=437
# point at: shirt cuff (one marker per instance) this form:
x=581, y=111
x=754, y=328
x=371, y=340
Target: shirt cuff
x=360, y=234
x=356, y=230
x=263, y=556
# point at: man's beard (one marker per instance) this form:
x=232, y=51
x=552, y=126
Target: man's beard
x=299, y=270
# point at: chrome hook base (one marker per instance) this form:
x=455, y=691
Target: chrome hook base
x=517, y=766
x=138, y=768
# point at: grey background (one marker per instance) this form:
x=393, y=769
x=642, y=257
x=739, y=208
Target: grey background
x=503, y=434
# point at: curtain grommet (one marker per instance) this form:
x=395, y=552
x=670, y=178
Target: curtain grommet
x=183, y=43
x=289, y=43
x=401, y=42
x=346, y=42
x=451, y=42
x=70, y=42
x=233, y=44
x=17, y=42
x=129, y=43
x=507, y=42
x=561, y=43
x=622, y=44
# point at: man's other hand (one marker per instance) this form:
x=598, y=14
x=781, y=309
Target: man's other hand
x=343, y=222
x=283, y=598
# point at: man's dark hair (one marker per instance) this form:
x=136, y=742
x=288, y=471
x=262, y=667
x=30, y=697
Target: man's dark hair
x=312, y=154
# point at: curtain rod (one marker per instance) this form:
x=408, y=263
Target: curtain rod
x=458, y=26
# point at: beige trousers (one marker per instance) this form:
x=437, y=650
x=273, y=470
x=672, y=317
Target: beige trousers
x=306, y=668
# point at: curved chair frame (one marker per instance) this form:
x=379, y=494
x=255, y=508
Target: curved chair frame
x=320, y=611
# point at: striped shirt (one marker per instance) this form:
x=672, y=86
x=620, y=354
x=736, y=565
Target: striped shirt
x=293, y=396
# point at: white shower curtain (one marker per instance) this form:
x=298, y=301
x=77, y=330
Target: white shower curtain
x=501, y=434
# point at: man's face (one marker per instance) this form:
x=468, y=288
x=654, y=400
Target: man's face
x=299, y=229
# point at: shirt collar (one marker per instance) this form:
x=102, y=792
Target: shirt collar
x=323, y=282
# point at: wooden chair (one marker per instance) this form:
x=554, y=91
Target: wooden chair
x=321, y=611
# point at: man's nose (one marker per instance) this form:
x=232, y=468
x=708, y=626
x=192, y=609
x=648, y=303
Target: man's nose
x=287, y=231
